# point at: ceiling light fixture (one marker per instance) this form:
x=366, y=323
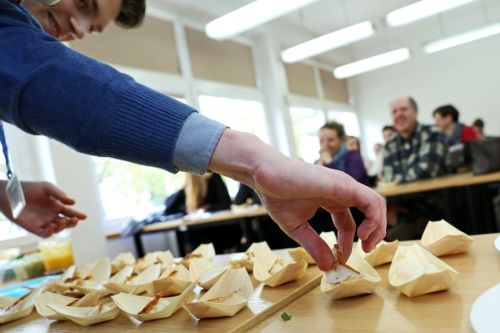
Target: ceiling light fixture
x=460, y=39
x=328, y=42
x=250, y=16
x=372, y=63
x=420, y=10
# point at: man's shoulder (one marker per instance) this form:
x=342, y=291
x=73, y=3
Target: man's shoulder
x=429, y=132
x=15, y=14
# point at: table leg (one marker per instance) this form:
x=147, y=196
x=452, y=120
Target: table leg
x=139, y=248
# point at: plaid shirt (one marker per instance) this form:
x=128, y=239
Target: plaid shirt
x=421, y=156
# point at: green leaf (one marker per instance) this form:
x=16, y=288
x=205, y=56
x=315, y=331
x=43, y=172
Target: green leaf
x=285, y=316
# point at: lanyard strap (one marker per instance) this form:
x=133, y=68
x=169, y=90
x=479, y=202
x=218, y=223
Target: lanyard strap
x=5, y=150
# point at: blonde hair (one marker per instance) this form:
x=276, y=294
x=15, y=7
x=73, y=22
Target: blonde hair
x=196, y=190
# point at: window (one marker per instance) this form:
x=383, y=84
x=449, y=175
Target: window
x=242, y=115
x=306, y=123
x=348, y=119
x=132, y=190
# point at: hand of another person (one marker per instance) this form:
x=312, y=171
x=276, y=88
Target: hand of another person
x=46, y=211
x=325, y=157
x=293, y=190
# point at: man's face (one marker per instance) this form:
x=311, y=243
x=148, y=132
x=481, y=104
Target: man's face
x=329, y=141
x=71, y=19
x=404, y=116
x=352, y=144
x=443, y=123
x=388, y=134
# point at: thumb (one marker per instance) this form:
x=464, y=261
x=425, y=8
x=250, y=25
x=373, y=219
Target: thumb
x=309, y=239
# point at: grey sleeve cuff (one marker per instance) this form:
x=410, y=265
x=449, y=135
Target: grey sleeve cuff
x=196, y=143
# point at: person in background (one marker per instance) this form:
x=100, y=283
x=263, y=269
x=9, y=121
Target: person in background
x=353, y=143
x=206, y=193
x=447, y=120
x=478, y=126
x=377, y=166
x=416, y=152
x=246, y=196
x=388, y=131
x=335, y=155
x=201, y=193
x=62, y=94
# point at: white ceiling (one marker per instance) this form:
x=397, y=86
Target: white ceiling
x=328, y=15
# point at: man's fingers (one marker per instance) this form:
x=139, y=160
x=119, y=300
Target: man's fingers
x=346, y=228
x=45, y=231
x=375, y=211
x=307, y=237
x=374, y=238
x=71, y=213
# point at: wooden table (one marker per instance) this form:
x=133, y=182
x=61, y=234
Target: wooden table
x=384, y=311
x=183, y=224
x=389, y=311
x=467, y=199
x=445, y=182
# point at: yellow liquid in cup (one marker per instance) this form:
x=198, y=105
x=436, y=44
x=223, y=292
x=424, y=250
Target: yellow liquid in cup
x=57, y=254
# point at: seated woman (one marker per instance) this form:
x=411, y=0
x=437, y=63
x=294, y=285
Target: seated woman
x=335, y=155
x=206, y=193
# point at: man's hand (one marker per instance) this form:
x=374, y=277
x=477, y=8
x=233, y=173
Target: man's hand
x=325, y=157
x=46, y=211
x=292, y=191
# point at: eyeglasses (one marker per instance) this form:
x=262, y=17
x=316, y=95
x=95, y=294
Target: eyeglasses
x=49, y=2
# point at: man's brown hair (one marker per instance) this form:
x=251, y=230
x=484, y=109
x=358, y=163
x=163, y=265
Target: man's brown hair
x=132, y=13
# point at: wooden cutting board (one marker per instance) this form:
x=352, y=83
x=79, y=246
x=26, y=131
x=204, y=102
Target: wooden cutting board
x=264, y=302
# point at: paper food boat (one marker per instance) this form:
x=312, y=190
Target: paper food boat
x=144, y=308
x=358, y=277
x=205, y=251
x=441, y=238
x=381, y=254
x=275, y=271
x=172, y=281
x=415, y=271
x=299, y=253
x=44, y=299
x=163, y=258
x=86, y=316
x=205, y=272
x=93, y=282
x=248, y=258
x=138, y=284
x=17, y=308
x=122, y=260
x=226, y=298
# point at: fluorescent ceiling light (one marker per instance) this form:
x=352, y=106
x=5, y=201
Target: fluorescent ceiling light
x=250, y=16
x=420, y=10
x=369, y=64
x=328, y=42
x=461, y=39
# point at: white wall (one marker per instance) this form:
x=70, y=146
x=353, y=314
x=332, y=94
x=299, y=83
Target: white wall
x=466, y=76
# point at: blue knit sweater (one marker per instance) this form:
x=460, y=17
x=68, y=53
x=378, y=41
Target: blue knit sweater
x=47, y=88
